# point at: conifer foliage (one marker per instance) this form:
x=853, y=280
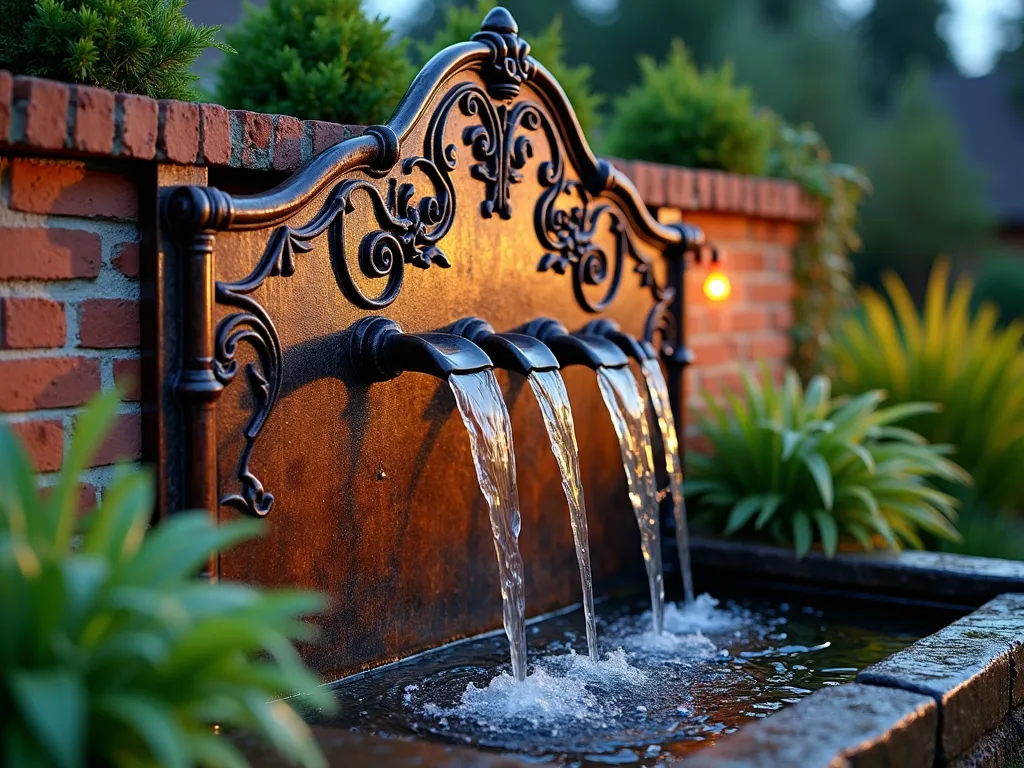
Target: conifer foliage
x=137, y=46
x=315, y=59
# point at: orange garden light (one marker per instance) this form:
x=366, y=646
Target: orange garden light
x=717, y=286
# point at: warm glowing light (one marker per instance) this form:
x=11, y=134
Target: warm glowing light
x=717, y=287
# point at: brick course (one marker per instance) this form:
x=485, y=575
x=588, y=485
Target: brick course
x=32, y=323
x=43, y=441
x=108, y=323
x=35, y=253
x=71, y=189
x=47, y=382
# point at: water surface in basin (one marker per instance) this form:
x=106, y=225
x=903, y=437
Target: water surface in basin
x=650, y=697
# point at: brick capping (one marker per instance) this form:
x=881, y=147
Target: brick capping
x=82, y=121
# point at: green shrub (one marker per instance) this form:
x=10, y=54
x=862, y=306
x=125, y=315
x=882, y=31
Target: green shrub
x=928, y=200
x=112, y=651
x=800, y=465
x=462, y=21
x=315, y=59
x=942, y=354
x=137, y=46
x=1001, y=282
x=680, y=115
x=821, y=263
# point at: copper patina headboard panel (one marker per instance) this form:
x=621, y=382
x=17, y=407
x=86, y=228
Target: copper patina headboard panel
x=479, y=197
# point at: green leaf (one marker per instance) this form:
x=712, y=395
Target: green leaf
x=741, y=513
x=18, y=498
x=821, y=474
x=153, y=722
x=829, y=532
x=769, y=507
x=802, y=536
x=117, y=527
x=215, y=751
x=53, y=705
x=180, y=544
x=58, y=514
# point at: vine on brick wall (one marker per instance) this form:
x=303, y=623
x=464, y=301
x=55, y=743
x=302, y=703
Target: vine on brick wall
x=821, y=263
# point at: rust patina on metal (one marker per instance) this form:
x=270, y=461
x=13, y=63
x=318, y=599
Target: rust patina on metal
x=479, y=198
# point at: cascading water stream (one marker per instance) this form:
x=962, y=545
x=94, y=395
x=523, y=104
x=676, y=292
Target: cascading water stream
x=658, y=389
x=554, y=406
x=490, y=435
x=626, y=408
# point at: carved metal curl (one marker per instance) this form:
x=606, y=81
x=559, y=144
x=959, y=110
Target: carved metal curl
x=409, y=230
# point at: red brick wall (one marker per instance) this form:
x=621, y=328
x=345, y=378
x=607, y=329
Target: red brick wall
x=69, y=305
x=70, y=162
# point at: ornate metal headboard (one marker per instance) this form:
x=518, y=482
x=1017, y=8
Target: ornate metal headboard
x=479, y=197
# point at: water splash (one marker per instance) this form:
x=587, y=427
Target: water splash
x=704, y=615
x=626, y=408
x=658, y=390
x=560, y=689
x=490, y=435
x=554, y=405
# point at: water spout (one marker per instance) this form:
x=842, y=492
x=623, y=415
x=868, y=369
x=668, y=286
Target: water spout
x=530, y=357
x=380, y=351
x=515, y=352
x=626, y=407
x=644, y=353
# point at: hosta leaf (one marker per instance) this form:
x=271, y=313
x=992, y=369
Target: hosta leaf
x=56, y=518
x=769, y=506
x=861, y=534
x=801, y=534
x=285, y=730
x=215, y=751
x=821, y=475
x=816, y=399
x=180, y=544
x=153, y=722
x=18, y=498
x=741, y=513
x=116, y=529
x=862, y=453
x=53, y=705
x=790, y=442
x=829, y=532
x=903, y=411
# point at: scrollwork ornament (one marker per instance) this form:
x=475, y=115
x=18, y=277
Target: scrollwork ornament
x=509, y=66
x=410, y=226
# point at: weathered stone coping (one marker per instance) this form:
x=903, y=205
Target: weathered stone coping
x=921, y=576
x=52, y=117
x=929, y=704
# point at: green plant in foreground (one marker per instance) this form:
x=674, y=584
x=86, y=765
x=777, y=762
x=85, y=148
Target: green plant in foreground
x=965, y=363
x=800, y=465
x=112, y=651
x=315, y=59
x=462, y=21
x=680, y=115
x=136, y=46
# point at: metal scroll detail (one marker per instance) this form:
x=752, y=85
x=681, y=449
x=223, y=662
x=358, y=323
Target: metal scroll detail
x=409, y=230
x=509, y=66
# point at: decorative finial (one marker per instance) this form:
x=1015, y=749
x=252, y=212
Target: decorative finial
x=499, y=20
x=509, y=67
